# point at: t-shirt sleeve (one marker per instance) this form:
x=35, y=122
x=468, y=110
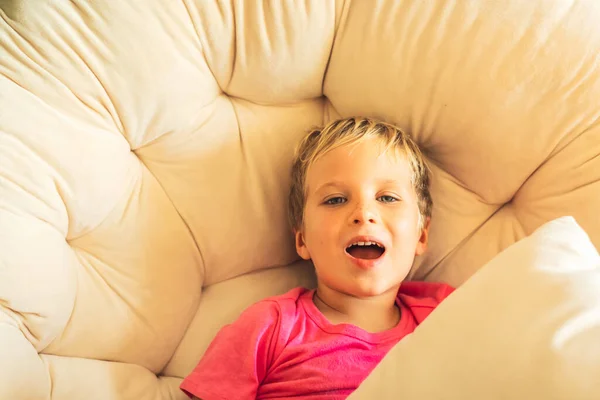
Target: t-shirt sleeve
x=237, y=359
x=423, y=297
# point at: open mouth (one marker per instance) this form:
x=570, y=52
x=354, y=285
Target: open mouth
x=366, y=250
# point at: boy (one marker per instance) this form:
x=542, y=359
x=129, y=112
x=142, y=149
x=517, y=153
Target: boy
x=360, y=209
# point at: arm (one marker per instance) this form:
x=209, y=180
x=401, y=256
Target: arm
x=238, y=358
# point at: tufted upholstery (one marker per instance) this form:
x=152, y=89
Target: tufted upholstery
x=145, y=147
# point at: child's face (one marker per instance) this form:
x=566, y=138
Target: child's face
x=355, y=193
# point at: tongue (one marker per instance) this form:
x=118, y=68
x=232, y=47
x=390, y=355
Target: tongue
x=365, y=252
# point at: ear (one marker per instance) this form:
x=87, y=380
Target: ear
x=301, y=248
x=422, y=243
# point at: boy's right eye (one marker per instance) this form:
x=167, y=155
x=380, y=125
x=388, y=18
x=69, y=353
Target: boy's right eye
x=335, y=200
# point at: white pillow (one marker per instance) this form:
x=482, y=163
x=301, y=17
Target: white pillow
x=525, y=326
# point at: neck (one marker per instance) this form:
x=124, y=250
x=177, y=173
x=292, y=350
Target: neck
x=372, y=314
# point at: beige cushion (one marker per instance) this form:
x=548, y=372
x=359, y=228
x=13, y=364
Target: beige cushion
x=145, y=149
x=526, y=326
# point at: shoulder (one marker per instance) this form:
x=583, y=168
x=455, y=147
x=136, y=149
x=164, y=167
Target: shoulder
x=275, y=306
x=242, y=352
x=428, y=292
x=291, y=295
x=423, y=297
x=263, y=320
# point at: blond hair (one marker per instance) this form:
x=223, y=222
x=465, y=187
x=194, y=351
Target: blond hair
x=348, y=131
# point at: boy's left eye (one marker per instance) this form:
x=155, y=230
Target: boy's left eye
x=387, y=199
x=335, y=200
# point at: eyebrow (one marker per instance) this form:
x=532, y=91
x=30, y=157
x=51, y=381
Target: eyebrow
x=329, y=184
x=341, y=184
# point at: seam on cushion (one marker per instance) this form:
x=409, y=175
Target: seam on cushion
x=514, y=209
x=90, y=268
x=76, y=295
x=276, y=105
x=15, y=322
x=595, y=124
x=19, y=211
x=327, y=101
x=461, y=243
x=593, y=182
x=187, y=226
x=431, y=160
x=77, y=98
x=336, y=27
x=8, y=78
x=7, y=310
x=124, y=194
x=113, y=113
x=233, y=45
x=23, y=327
x=53, y=177
x=37, y=67
x=167, y=134
x=237, y=120
x=116, y=117
x=49, y=374
x=202, y=47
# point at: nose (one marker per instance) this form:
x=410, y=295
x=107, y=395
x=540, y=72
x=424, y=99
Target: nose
x=364, y=214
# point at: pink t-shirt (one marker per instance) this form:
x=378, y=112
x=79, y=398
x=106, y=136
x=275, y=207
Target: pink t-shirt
x=283, y=347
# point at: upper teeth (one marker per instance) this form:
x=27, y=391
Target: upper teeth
x=366, y=244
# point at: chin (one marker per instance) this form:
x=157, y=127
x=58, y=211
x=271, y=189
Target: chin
x=374, y=290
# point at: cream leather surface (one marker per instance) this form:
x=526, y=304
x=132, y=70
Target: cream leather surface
x=145, y=147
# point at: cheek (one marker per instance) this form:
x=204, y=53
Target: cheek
x=323, y=220
x=321, y=232
x=406, y=226
x=320, y=235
